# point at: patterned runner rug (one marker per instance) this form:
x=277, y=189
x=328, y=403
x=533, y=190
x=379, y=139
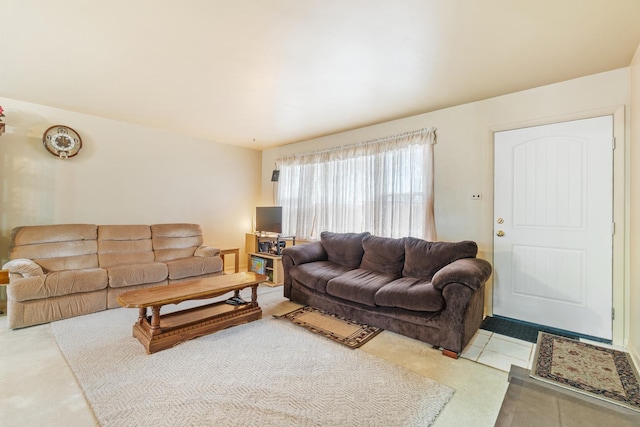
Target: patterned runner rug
x=264, y=373
x=337, y=328
x=593, y=370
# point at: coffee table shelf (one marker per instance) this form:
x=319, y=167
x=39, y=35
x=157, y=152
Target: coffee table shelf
x=196, y=315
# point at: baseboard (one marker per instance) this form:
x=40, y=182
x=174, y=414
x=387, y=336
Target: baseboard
x=635, y=356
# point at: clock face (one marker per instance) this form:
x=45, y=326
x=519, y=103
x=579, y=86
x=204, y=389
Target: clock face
x=62, y=141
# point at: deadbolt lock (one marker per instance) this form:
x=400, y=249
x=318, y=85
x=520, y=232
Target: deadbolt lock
x=500, y=220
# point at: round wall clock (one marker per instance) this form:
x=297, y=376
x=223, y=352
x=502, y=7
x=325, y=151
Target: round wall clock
x=62, y=141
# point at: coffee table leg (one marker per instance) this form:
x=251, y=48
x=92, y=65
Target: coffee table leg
x=142, y=315
x=254, y=295
x=155, y=319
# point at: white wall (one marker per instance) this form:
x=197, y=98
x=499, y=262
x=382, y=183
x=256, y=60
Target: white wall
x=124, y=174
x=634, y=212
x=464, y=152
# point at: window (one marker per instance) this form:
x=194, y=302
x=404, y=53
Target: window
x=383, y=186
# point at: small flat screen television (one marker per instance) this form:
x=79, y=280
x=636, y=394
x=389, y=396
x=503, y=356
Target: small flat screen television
x=269, y=219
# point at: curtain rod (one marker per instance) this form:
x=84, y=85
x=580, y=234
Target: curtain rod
x=371, y=141
x=399, y=135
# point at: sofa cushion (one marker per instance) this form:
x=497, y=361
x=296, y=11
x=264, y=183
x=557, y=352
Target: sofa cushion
x=423, y=258
x=410, y=293
x=383, y=255
x=77, y=254
x=315, y=275
x=124, y=244
x=58, y=283
x=79, y=262
x=31, y=234
x=193, y=266
x=56, y=247
x=358, y=286
x=112, y=259
x=34, y=312
x=343, y=248
x=175, y=241
x=137, y=274
x=124, y=232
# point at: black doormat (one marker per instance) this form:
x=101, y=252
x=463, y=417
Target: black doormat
x=521, y=330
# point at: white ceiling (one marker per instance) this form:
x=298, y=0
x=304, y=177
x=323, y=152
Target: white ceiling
x=281, y=71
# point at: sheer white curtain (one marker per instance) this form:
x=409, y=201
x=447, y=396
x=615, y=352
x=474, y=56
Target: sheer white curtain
x=383, y=186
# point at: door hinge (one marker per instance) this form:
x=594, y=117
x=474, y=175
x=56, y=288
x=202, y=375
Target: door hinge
x=613, y=143
x=613, y=313
x=613, y=228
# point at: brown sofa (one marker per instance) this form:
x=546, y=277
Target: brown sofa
x=61, y=271
x=431, y=291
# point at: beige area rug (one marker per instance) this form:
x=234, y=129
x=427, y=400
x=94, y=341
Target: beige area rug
x=263, y=373
x=337, y=328
x=597, y=371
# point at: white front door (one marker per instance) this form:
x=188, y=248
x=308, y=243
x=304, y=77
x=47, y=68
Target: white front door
x=553, y=209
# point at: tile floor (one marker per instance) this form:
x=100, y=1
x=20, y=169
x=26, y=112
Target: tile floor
x=499, y=351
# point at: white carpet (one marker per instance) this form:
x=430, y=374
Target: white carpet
x=264, y=373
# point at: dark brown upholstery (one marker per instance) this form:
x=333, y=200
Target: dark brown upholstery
x=424, y=258
x=431, y=291
x=358, y=285
x=410, y=293
x=383, y=255
x=343, y=248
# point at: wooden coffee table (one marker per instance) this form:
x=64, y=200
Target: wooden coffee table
x=158, y=332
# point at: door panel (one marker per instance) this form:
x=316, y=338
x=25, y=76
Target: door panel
x=553, y=198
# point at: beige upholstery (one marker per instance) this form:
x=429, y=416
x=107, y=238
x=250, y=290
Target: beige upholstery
x=53, y=233
x=44, y=310
x=25, y=267
x=179, y=246
x=126, y=252
x=58, y=283
x=193, y=266
x=56, y=247
x=60, y=271
x=173, y=241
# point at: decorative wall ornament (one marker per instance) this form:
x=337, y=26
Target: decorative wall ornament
x=1, y=123
x=62, y=141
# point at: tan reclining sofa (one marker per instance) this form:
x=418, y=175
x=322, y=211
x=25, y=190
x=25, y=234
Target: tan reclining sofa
x=61, y=271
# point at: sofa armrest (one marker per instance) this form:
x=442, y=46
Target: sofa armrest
x=471, y=272
x=24, y=267
x=307, y=252
x=296, y=255
x=207, y=251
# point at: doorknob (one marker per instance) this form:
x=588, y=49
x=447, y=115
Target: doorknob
x=500, y=233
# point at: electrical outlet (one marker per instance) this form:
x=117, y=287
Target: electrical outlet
x=476, y=196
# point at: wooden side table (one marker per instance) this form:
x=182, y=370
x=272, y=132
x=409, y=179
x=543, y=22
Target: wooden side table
x=4, y=280
x=236, y=253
